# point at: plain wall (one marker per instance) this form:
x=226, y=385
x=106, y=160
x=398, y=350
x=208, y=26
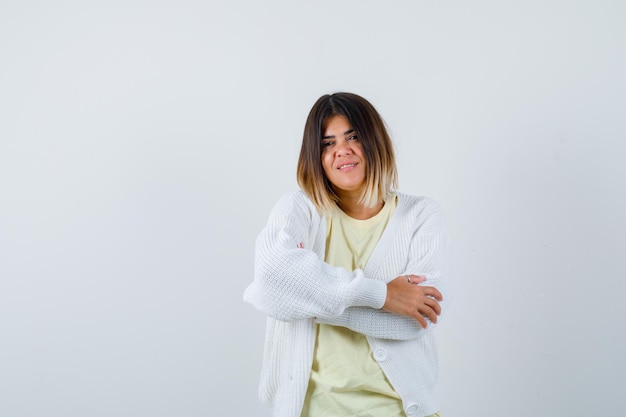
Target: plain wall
x=143, y=144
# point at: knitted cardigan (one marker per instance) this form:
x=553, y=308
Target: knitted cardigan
x=297, y=289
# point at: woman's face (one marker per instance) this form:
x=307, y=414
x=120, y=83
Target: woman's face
x=342, y=156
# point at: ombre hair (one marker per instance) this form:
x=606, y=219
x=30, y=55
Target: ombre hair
x=381, y=175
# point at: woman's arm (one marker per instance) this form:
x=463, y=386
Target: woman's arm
x=292, y=282
x=428, y=256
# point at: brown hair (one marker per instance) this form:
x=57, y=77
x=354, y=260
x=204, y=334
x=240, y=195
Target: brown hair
x=381, y=175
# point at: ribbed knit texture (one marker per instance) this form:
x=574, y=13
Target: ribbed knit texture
x=295, y=288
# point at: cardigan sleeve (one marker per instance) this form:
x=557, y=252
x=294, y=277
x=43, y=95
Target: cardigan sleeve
x=428, y=255
x=291, y=282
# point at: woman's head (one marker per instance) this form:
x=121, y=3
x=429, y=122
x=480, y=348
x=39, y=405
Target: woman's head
x=345, y=148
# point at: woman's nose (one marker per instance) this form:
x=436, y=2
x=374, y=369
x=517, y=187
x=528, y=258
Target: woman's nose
x=343, y=148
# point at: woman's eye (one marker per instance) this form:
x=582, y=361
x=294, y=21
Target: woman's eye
x=353, y=137
x=326, y=144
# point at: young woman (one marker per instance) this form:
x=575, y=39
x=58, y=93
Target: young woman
x=351, y=274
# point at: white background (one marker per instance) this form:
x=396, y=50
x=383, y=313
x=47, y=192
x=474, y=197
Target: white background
x=142, y=145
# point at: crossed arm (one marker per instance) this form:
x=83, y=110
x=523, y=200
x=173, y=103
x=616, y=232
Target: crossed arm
x=292, y=283
x=409, y=308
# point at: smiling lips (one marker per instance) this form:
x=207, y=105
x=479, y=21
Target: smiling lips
x=343, y=167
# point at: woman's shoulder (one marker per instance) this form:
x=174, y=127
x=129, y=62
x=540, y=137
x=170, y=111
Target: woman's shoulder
x=297, y=197
x=295, y=202
x=418, y=202
x=421, y=209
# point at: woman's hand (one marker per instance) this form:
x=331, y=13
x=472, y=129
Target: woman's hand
x=411, y=300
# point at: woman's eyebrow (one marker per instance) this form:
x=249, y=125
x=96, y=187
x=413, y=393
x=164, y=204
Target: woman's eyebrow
x=347, y=132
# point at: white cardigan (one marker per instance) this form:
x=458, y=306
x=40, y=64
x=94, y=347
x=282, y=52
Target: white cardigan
x=297, y=290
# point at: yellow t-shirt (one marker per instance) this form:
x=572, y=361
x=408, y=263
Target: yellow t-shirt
x=345, y=379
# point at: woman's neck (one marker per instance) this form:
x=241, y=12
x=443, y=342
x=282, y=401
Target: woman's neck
x=353, y=208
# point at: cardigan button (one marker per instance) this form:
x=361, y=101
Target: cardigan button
x=411, y=409
x=380, y=354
